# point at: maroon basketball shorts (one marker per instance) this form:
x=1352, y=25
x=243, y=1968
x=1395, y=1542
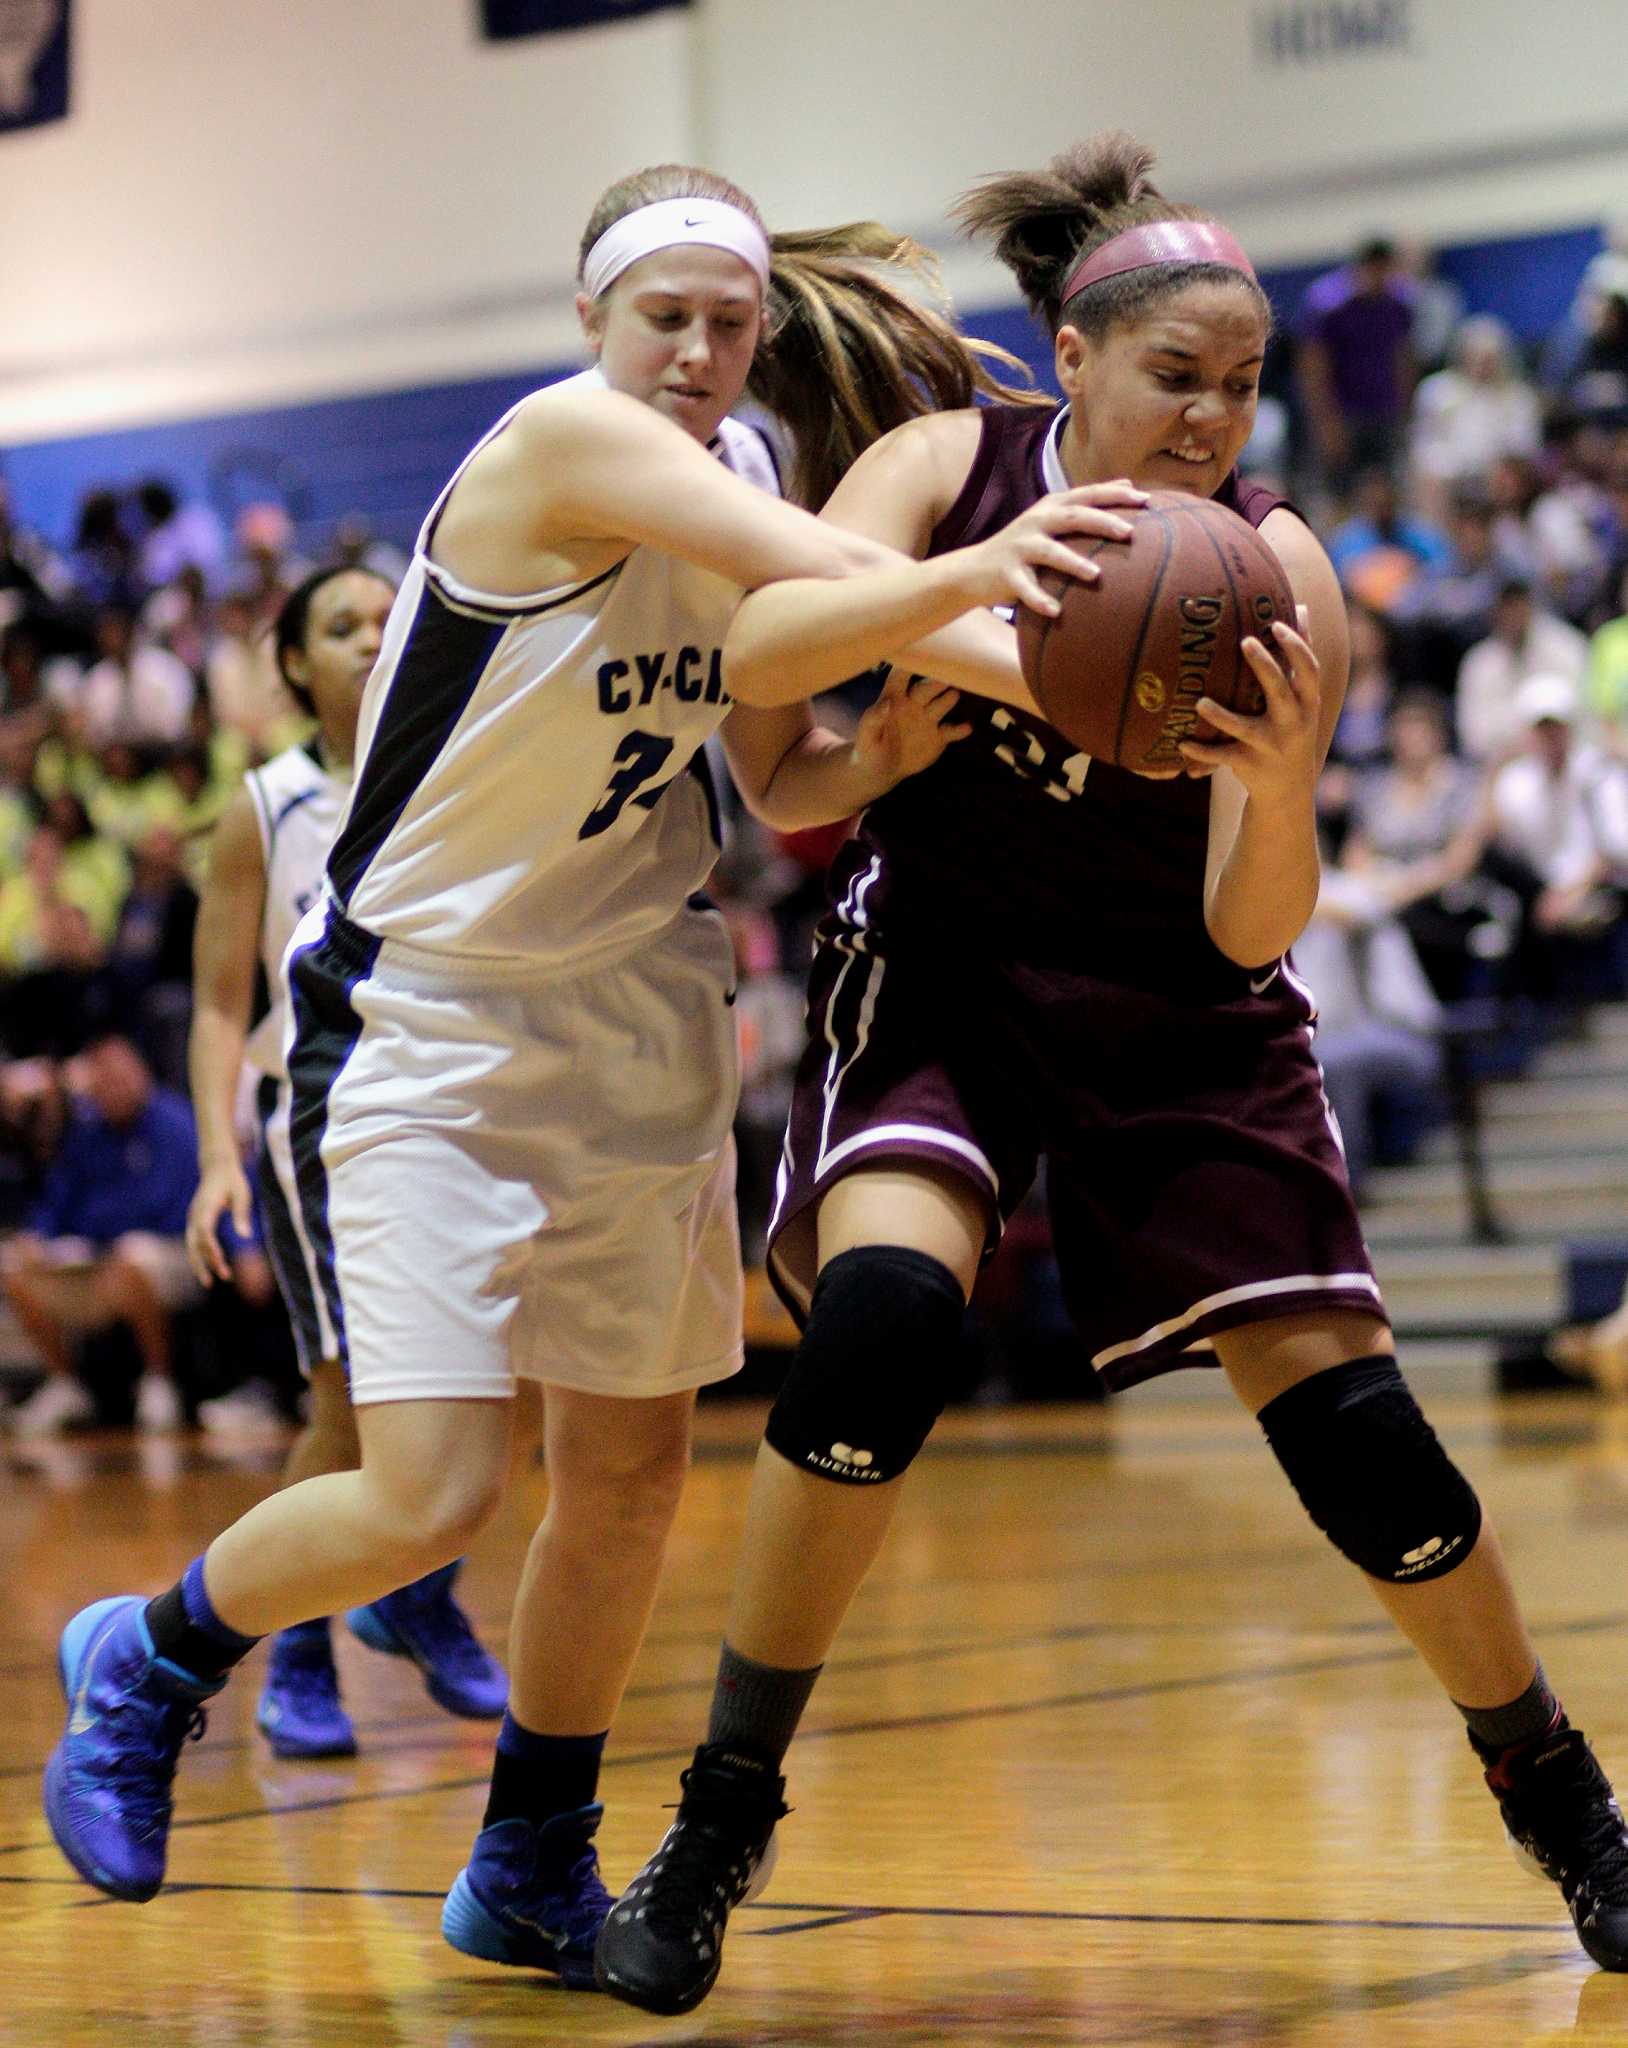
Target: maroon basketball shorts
x=1194, y=1171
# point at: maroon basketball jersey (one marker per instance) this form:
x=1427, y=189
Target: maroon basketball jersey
x=1017, y=844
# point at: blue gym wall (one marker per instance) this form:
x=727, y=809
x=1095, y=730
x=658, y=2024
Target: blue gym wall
x=387, y=454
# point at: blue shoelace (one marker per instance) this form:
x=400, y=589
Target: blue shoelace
x=586, y=1904
x=140, y=1770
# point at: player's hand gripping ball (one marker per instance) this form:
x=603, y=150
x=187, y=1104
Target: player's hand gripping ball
x=1120, y=669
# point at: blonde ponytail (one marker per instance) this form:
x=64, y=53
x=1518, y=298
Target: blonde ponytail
x=851, y=352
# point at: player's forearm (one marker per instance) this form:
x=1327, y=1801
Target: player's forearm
x=215, y=1051
x=978, y=653
x=819, y=781
x=1266, y=890
x=804, y=634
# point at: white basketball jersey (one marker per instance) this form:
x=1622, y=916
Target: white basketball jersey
x=529, y=790
x=297, y=804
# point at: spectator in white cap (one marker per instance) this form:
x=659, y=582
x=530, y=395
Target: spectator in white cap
x=1526, y=640
x=1559, y=809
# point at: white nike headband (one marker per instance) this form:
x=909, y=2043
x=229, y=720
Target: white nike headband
x=665, y=223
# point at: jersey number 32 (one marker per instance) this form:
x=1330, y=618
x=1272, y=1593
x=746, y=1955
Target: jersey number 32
x=640, y=758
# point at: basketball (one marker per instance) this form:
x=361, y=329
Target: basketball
x=1120, y=669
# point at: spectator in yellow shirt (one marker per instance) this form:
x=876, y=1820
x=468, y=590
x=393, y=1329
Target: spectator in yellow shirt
x=1605, y=683
x=46, y=879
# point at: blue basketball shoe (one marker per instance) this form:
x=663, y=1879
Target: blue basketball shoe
x=300, y=1713
x=531, y=1896
x=425, y=1623
x=107, y=1782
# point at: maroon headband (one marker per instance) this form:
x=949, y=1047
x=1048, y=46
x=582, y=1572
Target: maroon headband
x=1160, y=241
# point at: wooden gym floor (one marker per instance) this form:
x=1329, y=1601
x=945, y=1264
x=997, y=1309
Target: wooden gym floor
x=1113, y=1752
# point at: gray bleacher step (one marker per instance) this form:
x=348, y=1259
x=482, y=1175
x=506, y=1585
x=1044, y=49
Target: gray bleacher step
x=1544, y=1094
x=1601, y=1050
x=1608, y=1024
x=1486, y=1261
x=1492, y=1327
x=1573, y=1172
x=1424, y=1350
x=1472, y=1287
x=1561, y=1197
x=1564, y=1222
x=1599, y=1134
x=1583, y=1062
x=1385, y=1232
x=1556, y=1153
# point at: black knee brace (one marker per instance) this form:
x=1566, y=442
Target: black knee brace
x=868, y=1380
x=1370, y=1472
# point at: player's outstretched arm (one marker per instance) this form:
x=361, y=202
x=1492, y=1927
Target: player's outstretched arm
x=581, y=476
x=926, y=617
x=225, y=951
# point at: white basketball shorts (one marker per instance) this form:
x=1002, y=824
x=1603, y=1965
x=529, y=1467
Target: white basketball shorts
x=533, y=1180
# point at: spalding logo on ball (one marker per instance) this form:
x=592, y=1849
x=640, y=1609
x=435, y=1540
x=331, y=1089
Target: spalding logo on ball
x=1120, y=670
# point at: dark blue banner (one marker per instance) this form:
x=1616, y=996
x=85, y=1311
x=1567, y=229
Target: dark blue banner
x=504, y=19
x=33, y=62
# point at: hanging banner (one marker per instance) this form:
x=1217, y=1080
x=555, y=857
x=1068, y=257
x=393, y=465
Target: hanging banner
x=33, y=62
x=505, y=19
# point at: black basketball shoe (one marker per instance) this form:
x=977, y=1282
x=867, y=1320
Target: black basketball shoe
x=1564, y=1824
x=663, y=1943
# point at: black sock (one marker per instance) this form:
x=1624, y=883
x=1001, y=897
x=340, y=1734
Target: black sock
x=535, y=1777
x=188, y=1632
x=756, y=1707
x=1527, y=1718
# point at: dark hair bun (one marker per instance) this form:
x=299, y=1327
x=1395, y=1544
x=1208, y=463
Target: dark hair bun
x=1039, y=220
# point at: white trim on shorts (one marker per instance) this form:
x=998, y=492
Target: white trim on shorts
x=915, y=1134
x=1254, y=1290
x=852, y=911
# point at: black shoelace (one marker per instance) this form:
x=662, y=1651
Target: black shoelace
x=1584, y=1833
x=705, y=1864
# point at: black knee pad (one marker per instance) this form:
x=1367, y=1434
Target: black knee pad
x=1370, y=1472
x=869, y=1377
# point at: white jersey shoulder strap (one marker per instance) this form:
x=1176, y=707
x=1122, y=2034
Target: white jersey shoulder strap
x=282, y=785
x=466, y=594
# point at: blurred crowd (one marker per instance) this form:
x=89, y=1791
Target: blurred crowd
x=1474, y=498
